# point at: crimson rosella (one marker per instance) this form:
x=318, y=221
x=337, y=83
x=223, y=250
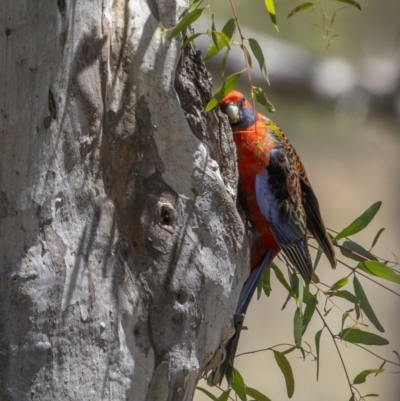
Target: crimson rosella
x=277, y=198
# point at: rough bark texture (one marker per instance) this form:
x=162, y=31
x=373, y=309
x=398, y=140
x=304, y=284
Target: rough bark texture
x=121, y=249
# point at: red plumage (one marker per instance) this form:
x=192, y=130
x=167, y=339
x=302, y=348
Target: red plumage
x=274, y=189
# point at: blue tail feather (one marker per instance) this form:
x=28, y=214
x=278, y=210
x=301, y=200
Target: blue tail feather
x=245, y=296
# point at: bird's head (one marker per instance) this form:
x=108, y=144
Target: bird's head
x=239, y=111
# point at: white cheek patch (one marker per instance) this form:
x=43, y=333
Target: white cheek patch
x=232, y=112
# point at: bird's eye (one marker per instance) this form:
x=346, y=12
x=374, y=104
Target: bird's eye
x=242, y=100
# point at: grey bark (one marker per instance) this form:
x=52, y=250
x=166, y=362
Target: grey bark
x=121, y=249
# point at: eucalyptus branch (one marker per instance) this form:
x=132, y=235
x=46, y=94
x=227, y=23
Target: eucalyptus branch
x=338, y=350
x=272, y=348
x=328, y=298
x=362, y=274
x=242, y=38
x=355, y=270
x=376, y=355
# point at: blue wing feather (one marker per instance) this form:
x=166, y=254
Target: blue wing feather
x=279, y=198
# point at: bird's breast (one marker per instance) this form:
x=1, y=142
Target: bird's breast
x=253, y=146
x=253, y=150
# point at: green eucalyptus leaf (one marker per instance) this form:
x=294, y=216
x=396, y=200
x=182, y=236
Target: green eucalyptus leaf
x=301, y=7
x=308, y=298
x=289, y=350
x=193, y=4
x=213, y=29
x=261, y=97
x=297, y=327
x=286, y=369
x=279, y=275
x=213, y=378
x=317, y=343
x=248, y=56
x=344, y=317
x=378, y=234
x=362, y=377
x=222, y=39
x=185, y=22
x=358, y=310
x=316, y=261
x=252, y=392
x=360, y=222
x=229, y=375
x=272, y=13
x=357, y=336
x=314, y=277
x=365, y=305
x=294, y=282
x=238, y=385
x=229, y=28
x=266, y=282
x=259, y=288
x=190, y=39
x=228, y=85
x=225, y=395
x=356, y=252
x=350, y=2
x=214, y=49
x=207, y=393
x=343, y=294
x=300, y=291
x=288, y=298
x=308, y=314
x=380, y=270
x=339, y=284
x=224, y=59
x=258, y=54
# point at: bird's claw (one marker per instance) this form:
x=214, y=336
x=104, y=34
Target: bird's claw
x=238, y=322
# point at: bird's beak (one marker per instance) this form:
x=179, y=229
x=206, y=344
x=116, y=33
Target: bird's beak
x=232, y=111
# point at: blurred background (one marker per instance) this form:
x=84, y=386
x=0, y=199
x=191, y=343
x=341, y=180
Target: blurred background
x=341, y=110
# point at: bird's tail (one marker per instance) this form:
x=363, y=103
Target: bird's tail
x=226, y=368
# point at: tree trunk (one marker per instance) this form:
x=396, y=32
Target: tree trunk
x=122, y=251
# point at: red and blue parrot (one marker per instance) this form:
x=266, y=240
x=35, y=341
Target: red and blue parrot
x=277, y=198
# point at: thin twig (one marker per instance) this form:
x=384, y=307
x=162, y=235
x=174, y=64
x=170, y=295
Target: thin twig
x=338, y=351
x=355, y=270
x=376, y=355
x=264, y=349
x=241, y=40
